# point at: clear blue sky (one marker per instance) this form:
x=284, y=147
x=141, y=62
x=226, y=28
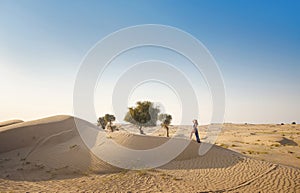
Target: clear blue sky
x=256, y=44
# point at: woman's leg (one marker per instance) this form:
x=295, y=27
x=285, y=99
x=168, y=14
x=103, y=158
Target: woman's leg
x=197, y=137
x=191, y=134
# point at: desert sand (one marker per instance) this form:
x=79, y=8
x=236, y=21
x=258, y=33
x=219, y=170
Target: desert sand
x=48, y=155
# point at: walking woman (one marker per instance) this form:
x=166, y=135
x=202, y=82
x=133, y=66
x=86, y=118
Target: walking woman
x=195, y=130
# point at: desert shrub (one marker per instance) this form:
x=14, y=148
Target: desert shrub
x=166, y=121
x=293, y=123
x=224, y=145
x=103, y=121
x=109, y=119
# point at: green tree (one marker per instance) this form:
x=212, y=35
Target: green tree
x=101, y=122
x=144, y=114
x=109, y=119
x=165, y=121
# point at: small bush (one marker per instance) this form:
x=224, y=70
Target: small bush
x=103, y=122
x=224, y=145
x=293, y=123
x=276, y=145
x=72, y=146
x=142, y=172
x=251, y=152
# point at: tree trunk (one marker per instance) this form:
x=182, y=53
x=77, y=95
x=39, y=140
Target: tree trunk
x=167, y=128
x=110, y=126
x=141, y=131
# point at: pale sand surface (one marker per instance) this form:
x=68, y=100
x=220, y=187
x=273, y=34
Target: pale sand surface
x=270, y=142
x=47, y=155
x=274, y=143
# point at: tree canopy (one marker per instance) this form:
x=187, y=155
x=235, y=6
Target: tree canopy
x=144, y=114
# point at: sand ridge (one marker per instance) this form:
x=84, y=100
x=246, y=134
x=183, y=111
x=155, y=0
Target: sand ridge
x=10, y=122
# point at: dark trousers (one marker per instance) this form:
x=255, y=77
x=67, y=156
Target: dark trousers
x=197, y=136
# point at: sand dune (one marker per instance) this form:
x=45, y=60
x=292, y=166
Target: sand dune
x=44, y=149
x=49, y=155
x=10, y=122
